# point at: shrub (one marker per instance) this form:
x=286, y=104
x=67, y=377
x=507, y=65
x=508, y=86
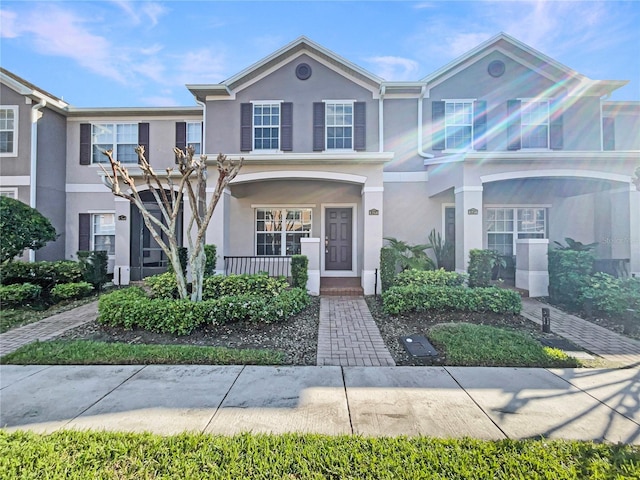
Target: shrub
x=18, y=294
x=413, y=298
x=210, y=263
x=299, y=271
x=94, y=267
x=163, y=285
x=45, y=274
x=69, y=291
x=480, y=267
x=444, y=251
x=433, y=278
x=569, y=273
x=257, y=284
x=387, y=268
x=612, y=295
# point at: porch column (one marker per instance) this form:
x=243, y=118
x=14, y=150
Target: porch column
x=218, y=229
x=372, y=242
x=310, y=247
x=634, y=230
x=122, y=264
x=468, y=224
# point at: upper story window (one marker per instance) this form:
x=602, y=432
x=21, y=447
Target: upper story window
x=8, y=131
x=339, y=124
x=122, y=138
x=266, y=126
x=458, y=124
x=194, y=136
x=535, y=124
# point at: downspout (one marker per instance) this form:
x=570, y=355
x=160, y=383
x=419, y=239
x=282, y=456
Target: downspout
x=383, y=89
x=204, y=124
x=35, y=116
x=606, y=97
x=422, y=153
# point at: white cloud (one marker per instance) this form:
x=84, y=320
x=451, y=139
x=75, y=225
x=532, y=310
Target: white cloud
x=8, y=21
x=200, y=66
x=394, y=68
x=142, y=12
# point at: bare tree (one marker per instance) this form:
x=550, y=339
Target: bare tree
x=169, y=192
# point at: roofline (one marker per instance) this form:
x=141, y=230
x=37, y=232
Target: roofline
x=23, y=87
x=132, y=111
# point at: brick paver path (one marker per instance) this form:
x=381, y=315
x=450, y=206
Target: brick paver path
x=48, y=328
x=594, y=338
x=348, y=335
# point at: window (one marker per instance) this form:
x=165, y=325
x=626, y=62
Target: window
x=276, y=227
x=9, y=192
x=535, y=124
x=506, y=225
x=103, y=232
x=266, y=126
x=8, y=131
x=458, y=125
x=339, y=125
x=194, y=136
x=122, y=138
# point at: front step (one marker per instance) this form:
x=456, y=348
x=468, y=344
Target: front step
x=341, y=286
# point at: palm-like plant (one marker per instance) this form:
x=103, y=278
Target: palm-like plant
x=410, y=256
x=443, y=250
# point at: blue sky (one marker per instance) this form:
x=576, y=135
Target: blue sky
x=142, y=53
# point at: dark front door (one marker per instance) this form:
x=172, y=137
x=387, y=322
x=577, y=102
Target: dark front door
x=338, y=235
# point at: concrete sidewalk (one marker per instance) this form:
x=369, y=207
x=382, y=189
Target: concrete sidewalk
x=488, y=403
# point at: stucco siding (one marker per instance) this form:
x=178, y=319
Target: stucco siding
x=581, y=124
x=409, y=213
x=400, y=134
x=20, y=164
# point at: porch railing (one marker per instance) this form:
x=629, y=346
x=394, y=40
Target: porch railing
x=274, y=266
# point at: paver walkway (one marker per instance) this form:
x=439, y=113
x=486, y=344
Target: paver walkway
x=48, y=328
x=348, y=335
x=594, y=338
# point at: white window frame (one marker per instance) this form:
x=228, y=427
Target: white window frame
x=190, y=141
x=114, y=144
x=14, y=151
x=327, y=103
x=525, y=127
x=283, y=232
x=11, y=192
x=447, y=117
x=262, y=103
x=92, y=238
x=516, y=232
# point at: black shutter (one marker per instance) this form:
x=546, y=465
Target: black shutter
x=84, y=231
x=85, y=144
x=555, y=127
x=480, y=125
x=143, y=139
x=286, y=127
x=181, y=137
x=318, y=126
x=246, y=117
x=437, y=120
x=359, y=126
x=608, y=133
x=513, y=125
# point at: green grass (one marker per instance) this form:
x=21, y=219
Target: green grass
x=483, y=345
x=83, y=352
x=16, y=317
x=79, y=455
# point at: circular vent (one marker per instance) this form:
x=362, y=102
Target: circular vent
x=496, y=68
x=303, y=71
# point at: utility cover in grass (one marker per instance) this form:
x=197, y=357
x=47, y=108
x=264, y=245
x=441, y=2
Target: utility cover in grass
x=418, y=346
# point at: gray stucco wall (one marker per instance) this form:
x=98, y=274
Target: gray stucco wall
x=223, y=116
x=19, y=165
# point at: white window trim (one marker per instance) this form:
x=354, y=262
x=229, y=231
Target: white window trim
x=93, y=233
x=114, y=143
x=283, y=233
x=326, y=126
x=537, y=100
x=515, y=231
x=253, y=127
x=16, y=124
x=12, y=190
x=470, y=148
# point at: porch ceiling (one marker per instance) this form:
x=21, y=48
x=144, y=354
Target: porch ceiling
x=552, y=187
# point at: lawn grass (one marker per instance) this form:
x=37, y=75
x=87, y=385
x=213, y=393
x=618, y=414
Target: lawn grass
x=484, y=345
x=77, y=454
x=85, y=352
x=16, y=317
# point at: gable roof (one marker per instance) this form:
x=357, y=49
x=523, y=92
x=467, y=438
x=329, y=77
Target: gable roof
x=300, y=45
x=23, y=87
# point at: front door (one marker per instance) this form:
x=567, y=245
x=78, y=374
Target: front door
x=338, y=238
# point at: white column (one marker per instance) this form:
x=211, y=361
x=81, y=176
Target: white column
x=372, y=242
x=122, y=264
x=218, y=228
x=532, y=271
x=634, y=231
x=310, y=247
x=468, y=224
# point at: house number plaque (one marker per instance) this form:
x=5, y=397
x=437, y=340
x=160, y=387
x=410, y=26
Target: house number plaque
x=472, y=211
x=122, y=218
x=374, y=211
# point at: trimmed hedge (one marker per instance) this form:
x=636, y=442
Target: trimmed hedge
x=299, y=271
x=163, y=285
x=387, y=268
x=69, y=291
x=257, y=284
x=613, y=296
x=211, y=254
x=131, y=308
x=45, y=274
x=412, y=298
x=18, y=294
x=480, y=267
x=434, y=278
x=569, y=273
